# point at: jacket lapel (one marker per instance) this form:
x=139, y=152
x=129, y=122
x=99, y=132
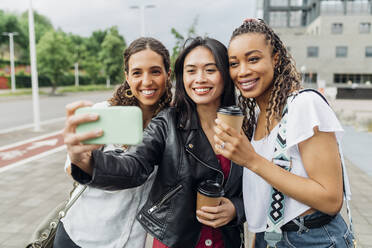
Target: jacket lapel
x=197, y=144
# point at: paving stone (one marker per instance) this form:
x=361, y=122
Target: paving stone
x=365, y=240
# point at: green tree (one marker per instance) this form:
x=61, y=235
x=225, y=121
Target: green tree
x=54, y=57
x=78, y=48
x=111, y=55
x=95, y=41
x=92, y=67
x=10, y=23
x=42, y=25
x=89, y=50
x=180, y=40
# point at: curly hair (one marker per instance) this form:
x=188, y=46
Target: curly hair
x=120, y=98
x=286, y=78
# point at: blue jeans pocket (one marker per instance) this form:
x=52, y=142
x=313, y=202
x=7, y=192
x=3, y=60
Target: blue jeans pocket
x=314, y=238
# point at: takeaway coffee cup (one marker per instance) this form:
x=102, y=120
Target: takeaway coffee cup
x=232, y=116
x=209, y=194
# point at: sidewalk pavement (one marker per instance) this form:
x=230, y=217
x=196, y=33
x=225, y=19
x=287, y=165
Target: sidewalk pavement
x=29, y=192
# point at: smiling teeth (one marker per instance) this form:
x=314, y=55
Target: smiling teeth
x=249, y=83
x=148, y=92
x=202, y=90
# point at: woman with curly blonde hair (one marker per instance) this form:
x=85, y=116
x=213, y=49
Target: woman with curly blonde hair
x=107, y=219
x=293, y=175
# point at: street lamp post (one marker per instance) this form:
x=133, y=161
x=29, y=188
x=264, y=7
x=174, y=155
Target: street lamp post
x=34, y=78
x=11, y=48
x=142, y=14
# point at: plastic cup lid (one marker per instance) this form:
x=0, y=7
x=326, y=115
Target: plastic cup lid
x=231, y=110
x=210, y=188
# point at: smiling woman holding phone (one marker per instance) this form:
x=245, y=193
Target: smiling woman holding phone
x=106, y=219
x=179, y=140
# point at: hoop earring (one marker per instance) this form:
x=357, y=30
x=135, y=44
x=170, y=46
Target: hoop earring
x=128, y=93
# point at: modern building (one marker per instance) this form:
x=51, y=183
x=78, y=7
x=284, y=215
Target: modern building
x=331, y=41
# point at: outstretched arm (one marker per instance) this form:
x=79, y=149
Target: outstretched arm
x=114, y=170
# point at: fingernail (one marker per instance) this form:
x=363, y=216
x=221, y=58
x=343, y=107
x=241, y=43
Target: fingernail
x=99, y=132
x=218, y=121
x=93, y=116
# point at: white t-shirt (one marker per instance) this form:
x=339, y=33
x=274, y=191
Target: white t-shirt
x=107, y=219
x=305, y=111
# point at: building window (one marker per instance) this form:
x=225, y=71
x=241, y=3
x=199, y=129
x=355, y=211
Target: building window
x=312, y=52
x=365, y=27
x=278, y=19
x=310, y=78
x=341, y=52
x=336, y=28
x=352, y=78
x=369, y=51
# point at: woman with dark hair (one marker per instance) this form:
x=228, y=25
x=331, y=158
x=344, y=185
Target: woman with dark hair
x=106, y=219
x=293, y=171
x=180, y=141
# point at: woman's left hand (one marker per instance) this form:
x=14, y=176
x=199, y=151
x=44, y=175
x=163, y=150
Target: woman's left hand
x=217, y=216
x=233, y=145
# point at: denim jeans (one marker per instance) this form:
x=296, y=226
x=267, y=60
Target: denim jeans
x=335, y=234
x=62, y=240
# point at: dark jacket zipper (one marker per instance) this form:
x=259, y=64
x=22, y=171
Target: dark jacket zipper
x=205, y=164
x=165, y=198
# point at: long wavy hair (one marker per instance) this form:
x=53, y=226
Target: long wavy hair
x=183, y=103
x=286, y=78
x=119, y=97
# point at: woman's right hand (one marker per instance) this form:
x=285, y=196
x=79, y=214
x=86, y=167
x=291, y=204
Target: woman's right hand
x=79, y=153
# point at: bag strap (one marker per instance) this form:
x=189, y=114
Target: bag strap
x=348, y=210
x=275, y=217
x=73, y=200
x=273, y=233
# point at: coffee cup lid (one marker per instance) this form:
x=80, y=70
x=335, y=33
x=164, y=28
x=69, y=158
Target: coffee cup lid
x=230, y=110
x=210, y=188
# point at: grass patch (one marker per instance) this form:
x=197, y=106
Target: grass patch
x=21, y=92
x=84, y=88
x=60, y=90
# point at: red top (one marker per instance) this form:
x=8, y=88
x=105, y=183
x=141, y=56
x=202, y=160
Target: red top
x=209, y=236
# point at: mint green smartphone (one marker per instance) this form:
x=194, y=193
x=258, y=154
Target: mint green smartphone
x=120, y=125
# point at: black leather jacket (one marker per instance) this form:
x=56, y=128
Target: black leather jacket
x=185, y=158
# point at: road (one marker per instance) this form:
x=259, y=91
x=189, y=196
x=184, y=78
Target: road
x=17, y=111
x=354, y=145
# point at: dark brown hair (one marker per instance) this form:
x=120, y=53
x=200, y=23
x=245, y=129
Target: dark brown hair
x=286, y=78
x=183, y=103
x=119, y=98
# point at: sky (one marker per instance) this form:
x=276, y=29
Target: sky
x=216, y=18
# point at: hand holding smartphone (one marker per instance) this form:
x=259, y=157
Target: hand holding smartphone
x=120, y=125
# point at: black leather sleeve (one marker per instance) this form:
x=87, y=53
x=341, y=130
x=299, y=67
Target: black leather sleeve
x=240, y=212
x=115, y=171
